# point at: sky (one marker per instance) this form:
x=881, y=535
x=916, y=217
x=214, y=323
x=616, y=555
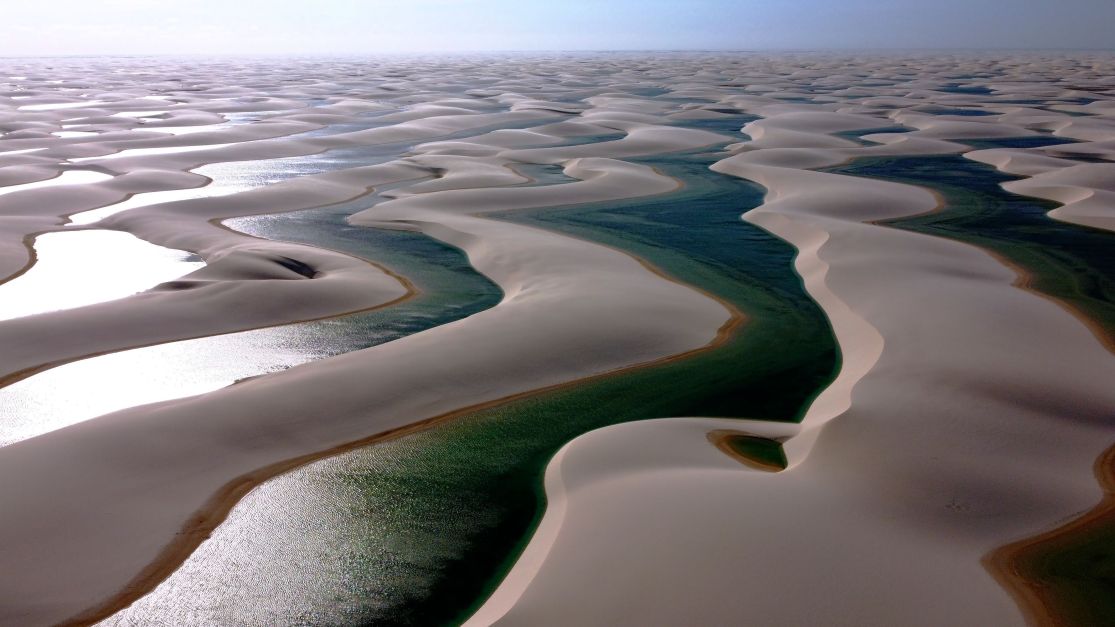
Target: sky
x=344, y=27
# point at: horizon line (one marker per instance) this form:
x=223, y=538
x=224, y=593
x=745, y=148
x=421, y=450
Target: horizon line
x=371, y=53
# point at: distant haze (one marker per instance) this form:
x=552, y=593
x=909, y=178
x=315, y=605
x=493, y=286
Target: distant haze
x=67, y=27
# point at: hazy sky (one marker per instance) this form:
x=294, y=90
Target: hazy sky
x=60, y=27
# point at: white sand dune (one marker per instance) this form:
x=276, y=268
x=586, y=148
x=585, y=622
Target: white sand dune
x=966, y=415
x=1086, y=191
x=166, y=171
x=603, y=308
x=247, y=283
x=934, y=441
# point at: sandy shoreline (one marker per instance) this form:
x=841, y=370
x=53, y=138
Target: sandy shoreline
x=815, y=212
x=947, y=434
x=1034, y=596
x=214, y=512
x=605, y=179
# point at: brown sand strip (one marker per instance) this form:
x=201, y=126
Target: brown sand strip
x=1007, y=564
x=722, y=439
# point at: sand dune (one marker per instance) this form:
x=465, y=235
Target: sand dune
x=246, y=283
x=936, y=404
x=603, y=308
x=966, y=415
x=1085, y=190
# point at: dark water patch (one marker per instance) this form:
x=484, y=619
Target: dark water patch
x=1072, y=101
x=1082, y=157
x=1072, y=568
x=1074, y=114
x=1078, y=572
x=966, y=112
x=296, y=267
x=1071, y=263
x=648, y=92
x=762, y=453
x=975, y=90
x=544, y=173
x=858, y=134
x=1036, y=141
x=794, y=99
x=730, y=126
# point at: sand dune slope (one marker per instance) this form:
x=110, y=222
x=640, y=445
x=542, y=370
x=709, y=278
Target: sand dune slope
x=967, y=412
x=935, y=442
x=602, y=308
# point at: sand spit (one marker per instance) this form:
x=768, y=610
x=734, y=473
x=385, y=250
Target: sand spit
x=947, y=433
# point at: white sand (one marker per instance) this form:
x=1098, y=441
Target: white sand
x=949, y=431
x=933, y=447
x=602, y=308
x=1086, y=191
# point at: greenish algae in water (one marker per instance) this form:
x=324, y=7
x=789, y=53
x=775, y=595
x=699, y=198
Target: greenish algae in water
x=754, y=451
x=431, y=521
x=450, y=289
x=470, y=488
x=1077, y=573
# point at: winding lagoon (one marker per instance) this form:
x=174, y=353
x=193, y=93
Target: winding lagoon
x=416, y=530
x=969, y=409
x=1071, y=263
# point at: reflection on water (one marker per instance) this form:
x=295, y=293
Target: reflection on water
x=88, y=388
x=147, y=152
x=187, y=130
x=450, y=290
x=227, y=178
x=279, y=543
x=69, y=177
x=237, y=176
x=62, y=105
x=146, y=199
x=18, y=152
x=408, y=531
x=86, y=267
x=83, y=267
